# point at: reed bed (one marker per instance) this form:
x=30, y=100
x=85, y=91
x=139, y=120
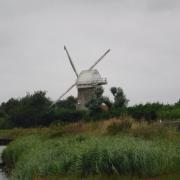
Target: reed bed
x=85, y=155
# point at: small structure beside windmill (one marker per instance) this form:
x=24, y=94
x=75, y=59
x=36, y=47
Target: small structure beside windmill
x=87, y=82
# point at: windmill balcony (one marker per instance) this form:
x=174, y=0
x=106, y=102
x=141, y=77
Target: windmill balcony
x=89, y=84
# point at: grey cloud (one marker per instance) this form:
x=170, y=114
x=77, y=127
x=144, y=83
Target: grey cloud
x=143, y=35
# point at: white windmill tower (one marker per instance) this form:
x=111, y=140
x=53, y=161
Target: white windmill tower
x=87, y=81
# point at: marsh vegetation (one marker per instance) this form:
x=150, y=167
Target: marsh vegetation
x=83, y=150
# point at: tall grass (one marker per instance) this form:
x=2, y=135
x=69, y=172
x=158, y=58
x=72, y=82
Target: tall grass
x=121, y=126
x=84, y=156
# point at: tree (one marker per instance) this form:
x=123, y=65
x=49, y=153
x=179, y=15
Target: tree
x=99, y=92
x=9, y=105
x=120, y=100
x=148, y=111
x=94, y=105
x=177, y=103
x=69, y=103
x=28, y=111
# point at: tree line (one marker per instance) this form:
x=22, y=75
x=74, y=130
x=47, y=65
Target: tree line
x=33, y=110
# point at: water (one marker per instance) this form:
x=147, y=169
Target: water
x=2, y=174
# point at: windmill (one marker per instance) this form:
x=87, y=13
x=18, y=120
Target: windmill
x=87, y=81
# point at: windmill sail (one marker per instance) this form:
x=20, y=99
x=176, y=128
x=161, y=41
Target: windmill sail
x=63, y=95
x=99, y=59
x=70, y=60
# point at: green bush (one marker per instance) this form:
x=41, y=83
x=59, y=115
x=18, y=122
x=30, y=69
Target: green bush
x=147, y=111
x=97, y=115
x=169, y=114
x=117, y=112
x=68, y=116
x=111, y=113
x=5, y=123
x=68, y=103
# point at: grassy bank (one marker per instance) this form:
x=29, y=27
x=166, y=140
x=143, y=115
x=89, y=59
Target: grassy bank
x=93, y=149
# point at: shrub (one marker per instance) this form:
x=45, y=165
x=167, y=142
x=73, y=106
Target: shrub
x=5, y=123
x=169, y=113
x=97, y=115
x=147, y=111
x=68, y=103
x=117, y=112
x=67, y=116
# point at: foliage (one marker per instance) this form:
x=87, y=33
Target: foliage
x=5, y=123
x=85, y=156
x=147, y=112
x=118, y=112
x=94, y=105
x=68, y=103
x=33, y=110
x=28, y=111
x=120, y=100
x=177, y=103
x=169, y=114
x=68, y=115
x=98, y=115
x=99, y=92
x=9, y=106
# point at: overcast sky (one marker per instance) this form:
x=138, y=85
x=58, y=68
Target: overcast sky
x=143, y=35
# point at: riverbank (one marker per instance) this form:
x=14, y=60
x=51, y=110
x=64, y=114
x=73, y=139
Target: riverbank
x=2, y=173
x=94, y=150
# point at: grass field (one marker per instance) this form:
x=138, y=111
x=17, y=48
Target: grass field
x=110, y=149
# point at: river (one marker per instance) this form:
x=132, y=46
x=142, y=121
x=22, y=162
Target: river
x=2, y=174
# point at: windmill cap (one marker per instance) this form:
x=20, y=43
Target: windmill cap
x=89, y=78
